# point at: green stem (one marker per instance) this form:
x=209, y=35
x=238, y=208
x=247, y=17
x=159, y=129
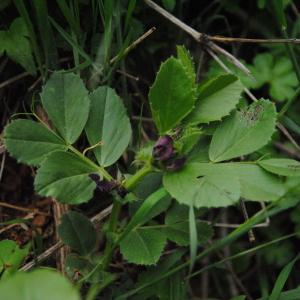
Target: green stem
x=132, y=181
x=289, y=103
x=292, y=55
x=129, y=184
x=101, y=170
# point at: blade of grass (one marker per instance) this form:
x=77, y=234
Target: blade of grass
x=282, y=278
x=46, y=34
x=193, y=237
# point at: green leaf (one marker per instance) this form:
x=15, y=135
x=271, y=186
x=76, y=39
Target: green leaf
x=67, y=104
x=216, y=99
x=203, y=185
x=11, y=257
x=143, y=246
x=282, y=278
x=281, y=166
x=64, y=176
x=140, y=217
x=273, y=72
x=244, y=132
x=172, y=95
x=165, y=289
x=77, y=231
x=279, y=13
x=193, y=237
x=241, y=297
x=15, y=43
x=177, y=226
x=36, y=285
x=186, y=60
x=30, y=142
x=188, y=139
x=256, y=183
x=108, y=123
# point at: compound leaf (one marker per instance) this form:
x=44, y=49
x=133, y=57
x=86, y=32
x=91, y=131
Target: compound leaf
x=67, y=104
x=39, y=284
x=172, y=96
x=15, y=43
x=281, y=166
x=30, y=142
x=143, y=246
x=65, y=176
x=216, y=99
x=77, y=231
x=109, y=124
x=203, y=185
x=244, y=132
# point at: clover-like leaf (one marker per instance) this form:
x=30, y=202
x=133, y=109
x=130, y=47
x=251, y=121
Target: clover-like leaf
x=172, y=96
x=11, y=257
x=67, y=104
x=15, y=43
x=216, y=99
x=143, y=246
x=64, y=176
x=281, y=166
x=77, y=231
x=256, y=183
x=203, y=185
x=36, y=285
x=244, y=132
x=109, y=125
x=30, y=142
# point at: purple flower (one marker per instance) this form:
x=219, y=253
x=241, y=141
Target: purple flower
x=175, y=164
x=163, y=148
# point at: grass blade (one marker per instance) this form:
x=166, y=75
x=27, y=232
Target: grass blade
x=282, y=278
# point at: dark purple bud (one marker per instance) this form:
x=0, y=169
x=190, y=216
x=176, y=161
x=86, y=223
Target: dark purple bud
x=103, y=186
x=163, y=148
x=95, y=177
x=175, y=164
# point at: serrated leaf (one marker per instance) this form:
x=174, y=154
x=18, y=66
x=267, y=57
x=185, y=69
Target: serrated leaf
x=281, y=166
x=77, y=231
x=256, y=183
x=11, y=257
x=244, y=132
x=15, y=43
x=172, y=95
x=30, y=142
x=177, y=226
x=143, y=246
x=67, y=104
x=109, y=124
x=216, y=99
x=64, y=176
x=36, y=285
x=186, y=60
x=203, y=185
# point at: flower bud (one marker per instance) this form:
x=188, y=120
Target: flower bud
x=163, y=148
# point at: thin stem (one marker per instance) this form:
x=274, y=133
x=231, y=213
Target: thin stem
x=292, y=55
x=289, y=103
x=132, y=181
x=101, y=170
x=129, y=184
